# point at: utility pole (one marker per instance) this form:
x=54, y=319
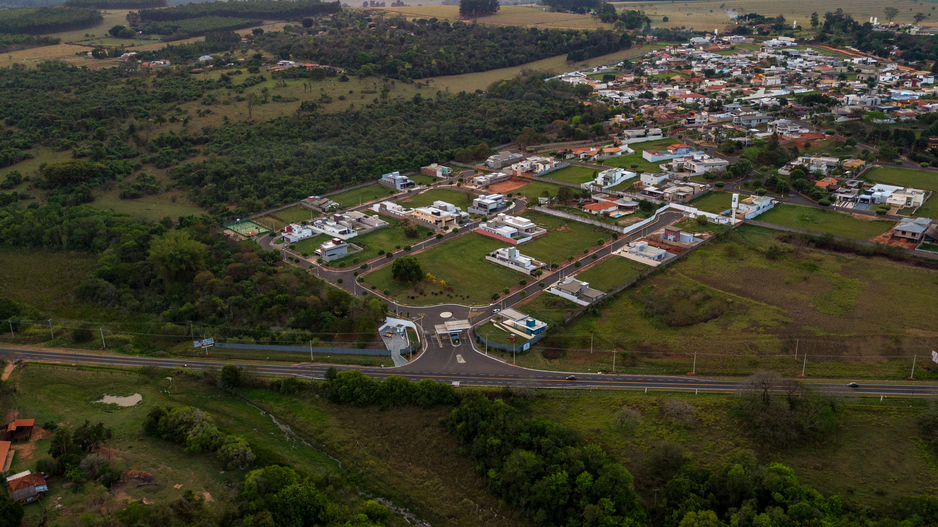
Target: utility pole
x=613, y=360
x=50, y=329
x=805, y=365
x=311, y=351
x=11, y=328
x=796, y=348
x=694, y=371
x=514, y=356
x=103, y=344
x=591, y=342
x=912, y=375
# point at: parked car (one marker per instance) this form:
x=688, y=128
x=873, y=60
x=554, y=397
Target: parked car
x=571, y=377
x=853, y=385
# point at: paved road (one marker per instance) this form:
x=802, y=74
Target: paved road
x=512, y=376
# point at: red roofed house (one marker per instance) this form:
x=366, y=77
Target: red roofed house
x=603, y=207
x=18, y=430
x=27, y=488
x=828, y=183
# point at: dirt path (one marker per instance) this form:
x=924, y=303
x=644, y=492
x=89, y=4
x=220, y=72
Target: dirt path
x=7, y=371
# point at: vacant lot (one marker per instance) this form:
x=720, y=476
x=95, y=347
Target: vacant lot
x=536, y=189
x=574, y=174
x=549, y=308
x=611, y=273
x=564, y=240
x=460, y=263
x=715, y=202
x=635, y=161
x=386, y=239
x=742, y=311
x=281, y=218
x=352, y=198
x=451, y=196
x=825, y=221
x=309, y=245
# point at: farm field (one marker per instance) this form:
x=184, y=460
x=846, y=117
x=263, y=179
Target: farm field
x=825, y=221
x=425, y=199
x=460, y=263
x=715, y=202
x=742, y=311
x=385, y=239
x=564, y=240
x=573, y=174
x=355, y=197
x=611, y=273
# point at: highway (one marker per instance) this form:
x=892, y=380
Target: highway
x=508, y=376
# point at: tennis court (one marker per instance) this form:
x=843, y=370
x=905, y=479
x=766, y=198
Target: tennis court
x=247, y=228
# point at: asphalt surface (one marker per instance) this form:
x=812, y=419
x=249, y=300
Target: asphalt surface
x=510, y=376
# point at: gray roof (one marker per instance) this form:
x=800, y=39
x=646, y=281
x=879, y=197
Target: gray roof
x=917, y=225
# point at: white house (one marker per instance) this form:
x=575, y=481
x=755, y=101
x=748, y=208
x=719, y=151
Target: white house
x=610, y=178
x=296, y=232
x=673, y=151
x=521, y=322
x=752, y=206
x=396, y=181
x=488, y=203
x=336, y=227
x=512, y=229
x=332, y=250
x=651, y=179
x=511, y=258
x=485, y=180
x=650, y=252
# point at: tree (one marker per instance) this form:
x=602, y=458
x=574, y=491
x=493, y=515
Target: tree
x=701, y=519
x=231, y=376
x=814, y=19
x=890, y=13
x=11, y=512
x=407, y=269
x=477, y=8
x=919, y=17
x=176, y=257
x=331, y=373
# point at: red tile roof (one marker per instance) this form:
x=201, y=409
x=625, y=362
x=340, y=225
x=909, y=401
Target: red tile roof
x=603, y=205
x=4, y=452
x=29, y=480
x=20, y=422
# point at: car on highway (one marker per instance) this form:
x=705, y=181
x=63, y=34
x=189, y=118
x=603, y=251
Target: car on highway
x=853, y=385
x=571, y=377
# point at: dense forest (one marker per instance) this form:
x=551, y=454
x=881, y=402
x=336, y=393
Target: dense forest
x=47, y=19
x=192, y=27
x=427, y=48
x=15, y=42
x=265, y=9
x=116, y=4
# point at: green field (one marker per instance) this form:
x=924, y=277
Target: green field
x=611, y=273
x=353, y=198
x=460, y=263
x=565, y=239
x=47, y=280
x=309, y=245
x=574, y=174
x=425, y=199
x=636, y=159
x=494, y=334
x=535, y=189
x=715, y=202
x=742, y=311
x=422, y=179
x=281, y=218
x=825, y=221
x=549, y=308
x=385, y=239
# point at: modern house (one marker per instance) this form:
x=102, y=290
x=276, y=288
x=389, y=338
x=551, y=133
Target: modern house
x=912, y=229
x=18, y=430
x=640, y=135
x=440, y=215
x=332, y=250
x=337, y=227
x=696, y=165
x=512, y=259
x=751, y=119
x=610, y=178
x=534, y=165
x=576, y=291
x=521, y=322
x=488, y=204
x=672, y=152
x=646, y=251
x=321, y=204
x=396, y=181
x=511, y=229
x=484, y=180
x=389, y=207
x=652, y=179
x=752, y=206
x=436, y=170
x=503, y=159
x=27, y=487
x=673, y=234
x=296, y=232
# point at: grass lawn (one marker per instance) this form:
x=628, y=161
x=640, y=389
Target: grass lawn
x=351, y=198
x=929, y=247
x=922, y=179
x=637, y=159
x=611, y=273
x=831, y=148
x=748, y=310
x=500, y=336
x=715, y=202
x=565, y=239
x=573, y=174
x=309, y=245
x=825, y=221
x=280, y=219
x=425, y=199
x=535, y=189
x=549, y=308
x=460, y=263
x=422, y=179
x=385, y=239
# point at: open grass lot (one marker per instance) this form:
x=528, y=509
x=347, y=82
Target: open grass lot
x=281, y=218
x=494, y=334
x=68, y=398
x=425, y=199
x=564, y=240
x=743, y=312
x=715, y=202
x=422, y=179
x=309, y=245
x=535, y=189
x=637, y=159
x=470, y=279
x=352, y=198
x=385, y=239
x=174, y=203
x=573, y=174
x=611, y=273
x=837, y=464
x=825, y=221
x=548, y=308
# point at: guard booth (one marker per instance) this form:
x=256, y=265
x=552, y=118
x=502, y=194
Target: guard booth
x=451, y=330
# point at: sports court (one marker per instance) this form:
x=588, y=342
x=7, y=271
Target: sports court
x=247, y=228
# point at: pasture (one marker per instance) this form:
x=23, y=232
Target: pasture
x=460, y=263
x=825, y=221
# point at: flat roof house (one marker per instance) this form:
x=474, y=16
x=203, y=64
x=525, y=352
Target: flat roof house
x=396, y=181
x=576, y=291
x=673, y=151
x=434, y=216
x=332, y=250
x=488, y=203
x=296, y=232
x=503, y=159
x=485, y=180
x=521, y=322
x=511, y=258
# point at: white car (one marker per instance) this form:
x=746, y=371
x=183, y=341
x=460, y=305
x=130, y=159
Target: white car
x=496, y=310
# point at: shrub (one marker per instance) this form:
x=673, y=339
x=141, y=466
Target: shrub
x=626, y=419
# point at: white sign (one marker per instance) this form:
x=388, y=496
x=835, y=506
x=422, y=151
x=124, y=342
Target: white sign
x=735, y=200
x=934, y=356
x=205, y=343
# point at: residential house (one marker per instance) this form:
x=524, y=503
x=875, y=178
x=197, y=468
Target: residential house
x=296, y=232
x=491, y=178
x=396, y=181
x=27, y=487
x=814, y=164
x=512, y=229
x=440, y=215
x=503, y=159
x=696, y=165
x=640, y=135
x=521, y=322
x=17, y=431
x=511, y=258
x=436, y=170
x=752, y=206
x=649, y=252
x=534, y=165
x=389, y=207
x=652, y=179
x=672, y=152
x=601, y=207
x=610, y=178
x=321, y=204
x=912, y=229
x=576, y=291
x=488, y=204
x=828, y=183
x=333, y=250
x=751, y=119
x=673, y=234
x=336, y=226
